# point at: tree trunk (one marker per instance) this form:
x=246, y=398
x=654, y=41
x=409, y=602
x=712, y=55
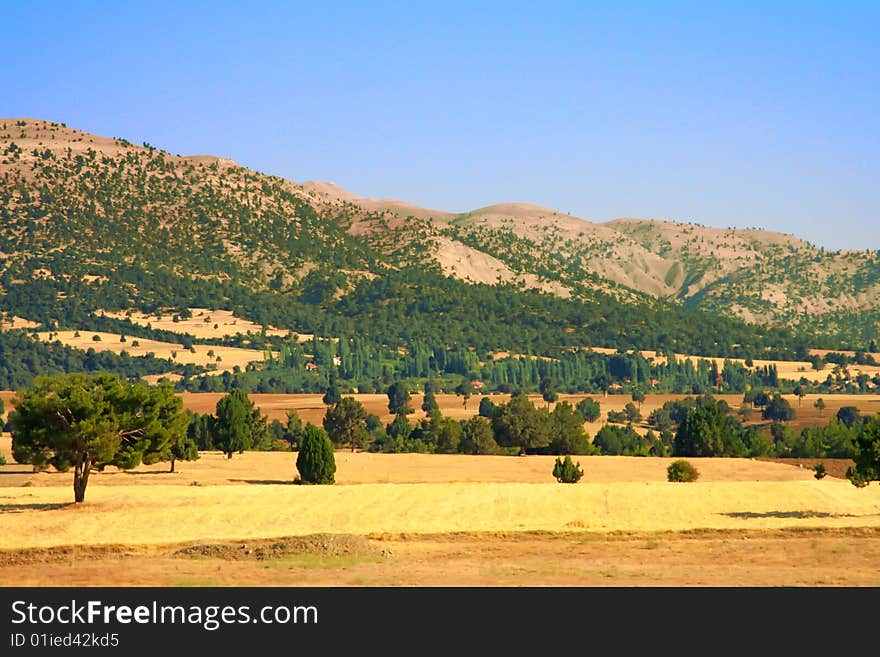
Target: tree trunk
x=81, y=477
x=228, y=455
x=172, y=465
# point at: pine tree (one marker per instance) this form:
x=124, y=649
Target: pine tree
x=239, y=425
x=183, y=448
x=91, y=421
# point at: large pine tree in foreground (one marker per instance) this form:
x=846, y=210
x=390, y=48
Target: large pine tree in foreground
x=88, y=422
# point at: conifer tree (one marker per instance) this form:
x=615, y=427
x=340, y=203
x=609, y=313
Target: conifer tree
x=315, y=462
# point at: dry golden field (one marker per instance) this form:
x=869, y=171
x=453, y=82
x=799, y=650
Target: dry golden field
x=229, y=356
x=441, y=520
x=14, y=322
x=204, y=323
x=311, y=409
x=791, y=370
x=251, y=496
x=416, y=519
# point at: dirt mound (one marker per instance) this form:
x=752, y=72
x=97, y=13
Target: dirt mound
x=63, y=553
x=333, y=545
x=328, y=545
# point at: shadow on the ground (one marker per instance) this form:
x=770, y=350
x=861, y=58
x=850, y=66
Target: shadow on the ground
x=263, y=482
x=787, y=514
x=21, y=508
x=113, y=473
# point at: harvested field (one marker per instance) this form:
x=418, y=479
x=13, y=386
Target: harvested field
x=13, y=322
x=145, y=515
x=214, y=469
x=311, y=409
x=229, y=356
x=202, y=323
x=419, y=519
x=250, y=497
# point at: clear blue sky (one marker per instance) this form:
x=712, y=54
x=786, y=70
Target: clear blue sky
x=728, y=114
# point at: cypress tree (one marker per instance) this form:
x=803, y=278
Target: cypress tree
x=315, y=462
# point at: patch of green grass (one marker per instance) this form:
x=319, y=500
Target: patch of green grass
x=197, y=581
x=316, y=561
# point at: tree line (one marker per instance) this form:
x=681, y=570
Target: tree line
x=87, y=422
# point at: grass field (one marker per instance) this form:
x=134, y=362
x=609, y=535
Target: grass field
x=415, y=519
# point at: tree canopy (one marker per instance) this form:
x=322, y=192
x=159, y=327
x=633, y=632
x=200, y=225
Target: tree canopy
x=398, y=399
x=240, y=425
x=866, y=454
x=345, y=423
x=92, y=421
x=519, y=423
x=708, y=430
x=778, y=409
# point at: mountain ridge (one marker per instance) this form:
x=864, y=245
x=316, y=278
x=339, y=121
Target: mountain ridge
x=754, y=275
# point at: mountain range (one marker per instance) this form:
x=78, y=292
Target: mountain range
x=82, y=210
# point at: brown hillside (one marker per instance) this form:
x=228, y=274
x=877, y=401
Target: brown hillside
x=760, y=276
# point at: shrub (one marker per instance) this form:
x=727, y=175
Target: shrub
x=315, y=462
x=681, y=470
x=567, y=472
x=819, y=469
x=2, y=460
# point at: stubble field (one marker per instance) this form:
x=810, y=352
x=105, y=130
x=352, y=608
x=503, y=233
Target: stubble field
x=439, y=520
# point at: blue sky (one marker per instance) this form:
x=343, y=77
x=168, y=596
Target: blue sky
x=727, y=114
